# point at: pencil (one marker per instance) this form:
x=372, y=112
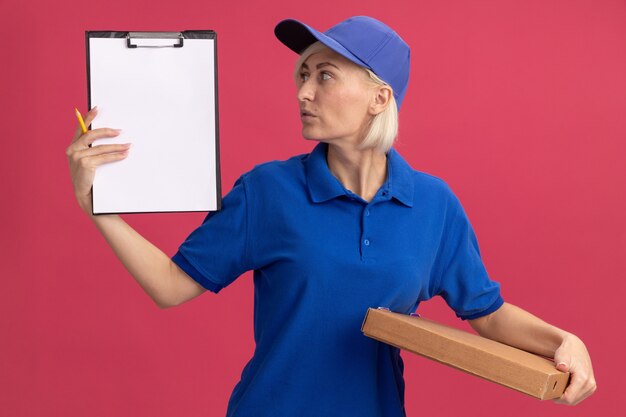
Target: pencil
x=81, y=121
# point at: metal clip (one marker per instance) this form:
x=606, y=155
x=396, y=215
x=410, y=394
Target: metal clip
x=155, y=35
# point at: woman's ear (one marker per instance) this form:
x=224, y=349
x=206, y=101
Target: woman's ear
x=380, y=100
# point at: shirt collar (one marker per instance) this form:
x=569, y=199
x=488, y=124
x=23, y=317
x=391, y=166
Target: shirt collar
x=324, y=186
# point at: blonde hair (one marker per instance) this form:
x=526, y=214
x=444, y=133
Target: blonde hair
x=383, y=128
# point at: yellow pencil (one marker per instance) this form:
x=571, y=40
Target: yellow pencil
x=81, y=121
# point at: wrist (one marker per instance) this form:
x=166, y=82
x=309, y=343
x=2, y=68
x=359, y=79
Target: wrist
x=564, y=339
x=569, y=338
x=85, y=204
x=553, y=339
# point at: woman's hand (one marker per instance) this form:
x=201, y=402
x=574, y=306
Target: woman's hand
x=516, y=327
x=84, y=159
x=572, y=356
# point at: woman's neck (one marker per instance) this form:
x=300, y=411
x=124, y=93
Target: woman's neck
x=361, y=171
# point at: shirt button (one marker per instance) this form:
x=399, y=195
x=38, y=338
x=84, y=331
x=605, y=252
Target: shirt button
x=367, y=212
x=367, y=242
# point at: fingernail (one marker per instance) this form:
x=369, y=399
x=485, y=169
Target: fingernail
x=128, y=144
x=118, y=130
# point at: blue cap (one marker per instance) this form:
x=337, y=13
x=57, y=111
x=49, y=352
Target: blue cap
x=361, y=39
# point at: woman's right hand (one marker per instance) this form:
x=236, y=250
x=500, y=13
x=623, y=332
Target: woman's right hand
x=84, y=159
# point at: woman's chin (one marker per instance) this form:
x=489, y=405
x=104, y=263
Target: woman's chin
x=313, y=139
x=306, y=134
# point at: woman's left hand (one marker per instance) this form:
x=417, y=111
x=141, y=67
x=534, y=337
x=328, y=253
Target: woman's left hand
x=516, y=327
x=572, y=357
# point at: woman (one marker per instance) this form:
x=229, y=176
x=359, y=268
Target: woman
x=328, y=234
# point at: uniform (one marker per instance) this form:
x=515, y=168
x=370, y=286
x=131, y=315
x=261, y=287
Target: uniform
x=321, y=256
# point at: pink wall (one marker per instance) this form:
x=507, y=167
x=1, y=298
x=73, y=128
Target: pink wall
x=519, y=105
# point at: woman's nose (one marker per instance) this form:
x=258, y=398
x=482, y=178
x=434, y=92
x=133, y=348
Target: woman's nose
x=306, y=91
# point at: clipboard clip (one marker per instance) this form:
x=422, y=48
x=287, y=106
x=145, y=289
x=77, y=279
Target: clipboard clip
x=154, y=35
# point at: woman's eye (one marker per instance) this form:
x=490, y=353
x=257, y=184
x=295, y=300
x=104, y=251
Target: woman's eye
x=324, y=76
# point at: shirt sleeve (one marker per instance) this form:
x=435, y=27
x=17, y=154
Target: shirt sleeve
x=216, y=253
x=464, y=283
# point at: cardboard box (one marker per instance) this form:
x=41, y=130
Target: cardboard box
x=494, y=361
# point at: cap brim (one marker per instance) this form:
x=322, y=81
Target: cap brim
x=297, y=36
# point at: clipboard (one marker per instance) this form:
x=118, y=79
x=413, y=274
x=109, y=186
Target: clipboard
x=160, y=88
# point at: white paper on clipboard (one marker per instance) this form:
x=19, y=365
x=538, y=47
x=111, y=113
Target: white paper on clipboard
x=164, y=99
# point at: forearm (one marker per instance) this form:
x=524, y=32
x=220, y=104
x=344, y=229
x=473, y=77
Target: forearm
x=150, y=267
x=160, y=278
x=516, y=327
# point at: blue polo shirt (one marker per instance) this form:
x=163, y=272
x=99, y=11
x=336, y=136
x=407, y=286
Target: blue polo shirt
x=321, y=256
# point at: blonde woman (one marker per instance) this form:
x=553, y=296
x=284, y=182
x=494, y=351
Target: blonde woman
x=328, y=234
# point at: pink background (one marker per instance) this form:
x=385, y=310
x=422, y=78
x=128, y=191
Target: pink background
x=519, y=105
